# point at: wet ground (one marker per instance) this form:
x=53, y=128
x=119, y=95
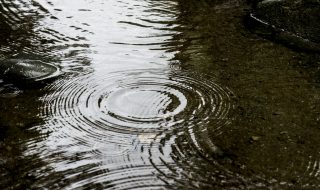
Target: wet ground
x=155, y=95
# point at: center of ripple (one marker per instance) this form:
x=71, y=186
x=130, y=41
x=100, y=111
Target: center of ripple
x=144, y=103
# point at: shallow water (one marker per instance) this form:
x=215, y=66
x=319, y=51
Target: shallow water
x=155, y=95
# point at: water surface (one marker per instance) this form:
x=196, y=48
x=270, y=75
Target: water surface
x=155, y=95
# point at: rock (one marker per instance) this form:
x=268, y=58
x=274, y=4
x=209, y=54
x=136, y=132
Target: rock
x=255, y=138
x=283, y=132
x=27, y=70
x=20, y=124
x=292, y=22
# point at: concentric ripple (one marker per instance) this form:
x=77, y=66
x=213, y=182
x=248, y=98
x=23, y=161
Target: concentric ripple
x=112, y=118
x=137, y=101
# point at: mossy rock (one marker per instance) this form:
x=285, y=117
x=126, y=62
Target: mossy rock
x=293, y=22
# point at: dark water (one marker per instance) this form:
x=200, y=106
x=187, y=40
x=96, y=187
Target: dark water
x=155, y=95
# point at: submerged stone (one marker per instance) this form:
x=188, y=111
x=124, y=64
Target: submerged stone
x=292, y=22
x=255, y=138
x=27, y=70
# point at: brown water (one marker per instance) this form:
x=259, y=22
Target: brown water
x=155, y=95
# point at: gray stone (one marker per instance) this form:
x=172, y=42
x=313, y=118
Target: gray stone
x=25, y=69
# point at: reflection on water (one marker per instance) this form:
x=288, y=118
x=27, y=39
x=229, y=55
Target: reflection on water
x=155, y=95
